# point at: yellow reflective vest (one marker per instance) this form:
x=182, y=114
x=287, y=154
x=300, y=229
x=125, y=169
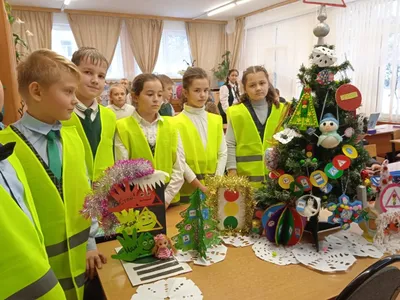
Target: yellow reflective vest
x=65, y=230
x=135, y=142
x=202, y=161
x=25, y=271
x=105, y=152
x=249, y=147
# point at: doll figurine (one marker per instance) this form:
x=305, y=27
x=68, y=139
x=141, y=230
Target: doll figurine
x=163, y=248
x=329, y=137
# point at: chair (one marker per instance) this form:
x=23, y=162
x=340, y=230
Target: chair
x=380, y=281
x=371, y=149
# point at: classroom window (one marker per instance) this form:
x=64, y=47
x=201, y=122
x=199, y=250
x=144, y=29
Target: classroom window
x=63, y=42
x=174, y=50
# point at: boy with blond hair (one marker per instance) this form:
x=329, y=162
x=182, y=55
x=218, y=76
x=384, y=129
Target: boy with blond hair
x=21, y=235
x=53, y=159
x=95, y=124
x=118, y=102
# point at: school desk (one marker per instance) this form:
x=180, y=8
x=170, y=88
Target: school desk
x=384, y=134
x=240, y=276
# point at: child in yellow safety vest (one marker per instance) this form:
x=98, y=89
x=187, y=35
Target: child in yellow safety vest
x=148, y=135
x=251, y=125
x=53, y=159
x=21, y=235
x=201, y=132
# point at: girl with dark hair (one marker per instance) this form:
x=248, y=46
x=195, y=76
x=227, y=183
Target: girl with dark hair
x=229, y=93
x=251, y=125
x=148, y=135
x=202, y=133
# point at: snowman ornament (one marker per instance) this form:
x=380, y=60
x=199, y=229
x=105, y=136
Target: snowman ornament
x=329, y=137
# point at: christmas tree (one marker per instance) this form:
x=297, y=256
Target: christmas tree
x=320, y=152
x=197, y=230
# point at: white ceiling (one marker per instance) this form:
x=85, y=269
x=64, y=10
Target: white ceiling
x=170, y=8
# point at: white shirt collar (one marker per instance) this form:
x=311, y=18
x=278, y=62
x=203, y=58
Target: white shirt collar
x=82, y=107
x=144, y=122
x=120, y=108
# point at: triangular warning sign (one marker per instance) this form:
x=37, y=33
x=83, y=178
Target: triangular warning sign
x=341, y=162
x=393, y=200
x=147, y=221
x=296, y=189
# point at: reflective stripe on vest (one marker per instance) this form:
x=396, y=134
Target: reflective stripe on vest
x=19, y=280
x=201, y=161
x=249, y=149
x=68, y=283
x=37, y=289
x=105, y=152
x=59, y=218
x=74, y=241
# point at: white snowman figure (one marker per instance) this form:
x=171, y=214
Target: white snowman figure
x=329, y=137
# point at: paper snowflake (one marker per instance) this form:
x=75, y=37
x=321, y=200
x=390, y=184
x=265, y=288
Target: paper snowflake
x=286, y=135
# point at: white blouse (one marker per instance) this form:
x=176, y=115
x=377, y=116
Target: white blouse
x=122, y=112
x=224, y=95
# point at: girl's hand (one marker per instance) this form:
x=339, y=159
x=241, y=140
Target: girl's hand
x=232, y=172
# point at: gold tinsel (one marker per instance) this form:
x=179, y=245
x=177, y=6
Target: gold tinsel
x=232, y=183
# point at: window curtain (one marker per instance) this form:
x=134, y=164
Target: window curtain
x=207, y=43
x=368, y=34
x=100, y=32
x=144, y=38
x=35, y=29
x=127, y=54
x=237, y=43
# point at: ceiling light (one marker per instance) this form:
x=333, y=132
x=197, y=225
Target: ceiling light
x=67, y=2
x=242, y=1
x=221, y=9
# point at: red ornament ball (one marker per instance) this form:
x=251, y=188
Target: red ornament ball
x=364, y=174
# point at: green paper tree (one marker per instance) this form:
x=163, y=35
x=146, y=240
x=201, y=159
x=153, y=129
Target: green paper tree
x=305, y=116
x=197, y=230
x=296, y=158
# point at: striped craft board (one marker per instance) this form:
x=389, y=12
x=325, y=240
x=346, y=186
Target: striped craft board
x=149, y=272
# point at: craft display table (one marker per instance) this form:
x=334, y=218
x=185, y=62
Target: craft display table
x=240, y=276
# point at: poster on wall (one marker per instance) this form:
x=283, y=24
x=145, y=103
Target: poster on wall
x=338, y=3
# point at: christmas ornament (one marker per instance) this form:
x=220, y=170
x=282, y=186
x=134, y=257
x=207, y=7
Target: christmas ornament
x=349, y=132
x=369, y=215
x=385, y=177
x=296, y=189
x=269, y=212
x=348, y=97
x=286, y=135
x=285, y=227
x=305, y=115
x=345, y=212
x=325, y=77
x=256, y=227
x=271, y=158
x=275, y=174
x=341, y=162
x=285, y=180
x=309, y=151
x=350, y=151
x=305, y=182
x=318, y=178
x=327, y=188
x=332, y=172
x=308, y=205
x=323, y=56
x=389, y=198
x=329, y=137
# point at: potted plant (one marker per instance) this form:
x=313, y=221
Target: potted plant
x=221, y=72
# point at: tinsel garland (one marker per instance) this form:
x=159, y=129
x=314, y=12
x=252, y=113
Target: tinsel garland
x=96, y=203
x=232, y=183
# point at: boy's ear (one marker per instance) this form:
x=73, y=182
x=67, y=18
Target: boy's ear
x=35, y=91
x=185, y=93
x=134, y=97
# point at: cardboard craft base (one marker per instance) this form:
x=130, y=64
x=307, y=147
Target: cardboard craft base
x=140, y=273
